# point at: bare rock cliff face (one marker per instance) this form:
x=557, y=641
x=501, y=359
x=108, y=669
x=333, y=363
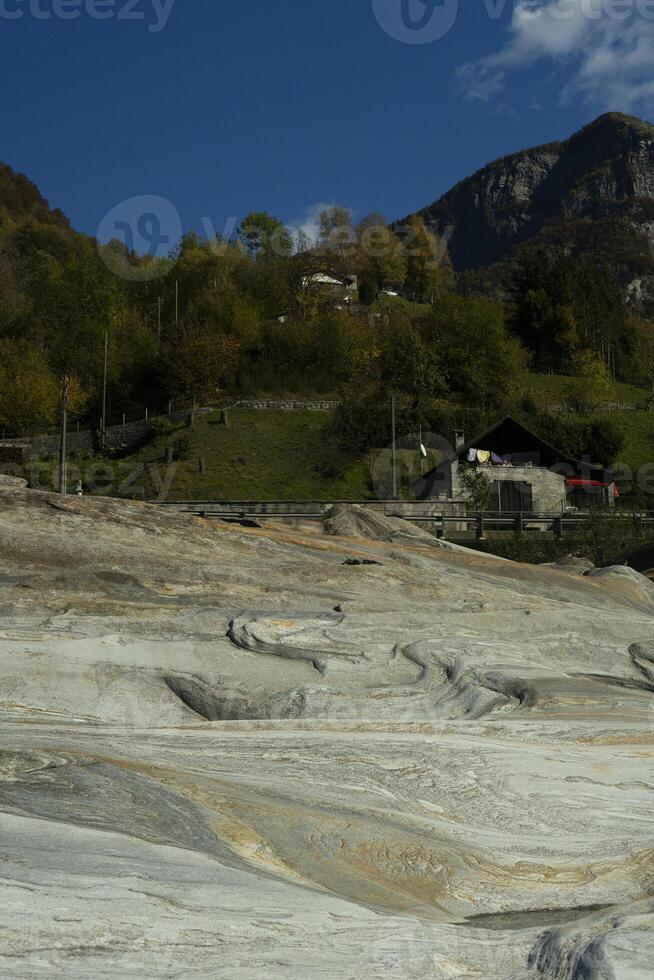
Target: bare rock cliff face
x=605, y=170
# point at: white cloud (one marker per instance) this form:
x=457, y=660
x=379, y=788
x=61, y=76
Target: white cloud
x=606, y=46
x=309, y=222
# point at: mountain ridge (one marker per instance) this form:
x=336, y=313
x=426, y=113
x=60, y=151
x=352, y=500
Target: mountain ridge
x=20, y=198
x=604, y=170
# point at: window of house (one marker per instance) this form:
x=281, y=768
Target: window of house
x=513, y=497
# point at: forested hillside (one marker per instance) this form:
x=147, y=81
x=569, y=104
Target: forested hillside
x=263, y=314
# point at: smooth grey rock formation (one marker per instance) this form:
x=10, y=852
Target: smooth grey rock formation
x=354, y=520
x=224, y=753
x=572, y=565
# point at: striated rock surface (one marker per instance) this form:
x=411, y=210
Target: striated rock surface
x=225, y=753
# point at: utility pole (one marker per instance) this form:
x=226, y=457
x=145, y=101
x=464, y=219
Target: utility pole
x=104, y=390
x=394, y=452
x=159, y=326
x=62, y=438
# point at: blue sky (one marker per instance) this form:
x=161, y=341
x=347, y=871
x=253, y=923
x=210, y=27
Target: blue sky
x=225, y=106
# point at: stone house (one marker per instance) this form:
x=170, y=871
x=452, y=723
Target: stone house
x=343, y=288
x=526, y=474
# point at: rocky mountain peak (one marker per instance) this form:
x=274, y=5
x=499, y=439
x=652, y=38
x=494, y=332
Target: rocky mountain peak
x=604, y=170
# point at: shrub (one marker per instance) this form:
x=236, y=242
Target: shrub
x=477, y=490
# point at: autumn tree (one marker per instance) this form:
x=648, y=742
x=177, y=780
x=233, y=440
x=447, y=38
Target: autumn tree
x=592, y=383
x=337, y=241
x=410, y=363
x=30, y=390
x=199, y=363
x=428, y=267
x=380, y=261
x=261, y=233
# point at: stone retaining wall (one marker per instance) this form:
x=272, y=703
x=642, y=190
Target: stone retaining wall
x=48, y=445
x=87, y=441
x=286, y=405
x=133, y=434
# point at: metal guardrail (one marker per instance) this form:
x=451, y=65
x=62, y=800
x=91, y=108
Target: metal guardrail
x=442, y=523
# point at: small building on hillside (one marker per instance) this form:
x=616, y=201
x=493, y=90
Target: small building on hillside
x=343, y=288
x=526, y=474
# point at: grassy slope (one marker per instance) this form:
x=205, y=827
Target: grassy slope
x=400, y=305
x=638, y=430
x=549, y=390
x=260, y=456
x=637, y=427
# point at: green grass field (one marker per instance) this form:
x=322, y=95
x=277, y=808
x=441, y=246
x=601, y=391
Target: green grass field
x=261, y=455
x=638, y=430
x=549, y=390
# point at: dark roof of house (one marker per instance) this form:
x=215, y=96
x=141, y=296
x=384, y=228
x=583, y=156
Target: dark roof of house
x=510, y=436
